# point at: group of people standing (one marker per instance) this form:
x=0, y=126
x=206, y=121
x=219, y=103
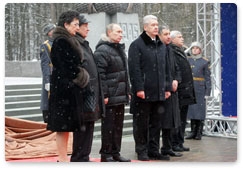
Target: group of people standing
x=156, y=78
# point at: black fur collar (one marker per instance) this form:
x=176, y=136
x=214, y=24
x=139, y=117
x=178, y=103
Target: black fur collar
x=147, y=40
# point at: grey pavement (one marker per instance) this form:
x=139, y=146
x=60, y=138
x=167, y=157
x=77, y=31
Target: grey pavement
x=209, y=149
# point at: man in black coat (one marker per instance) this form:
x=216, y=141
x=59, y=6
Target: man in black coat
x=111, y=61
x=148, y=73
x=84, y=138
x=186, y=92
x=171, y=117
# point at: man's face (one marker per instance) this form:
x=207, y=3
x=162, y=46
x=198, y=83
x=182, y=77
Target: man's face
x=178, y=40
x=165, y=36
x=115, y=34
x=50, y=33
x=152, y=28
x=84, y=30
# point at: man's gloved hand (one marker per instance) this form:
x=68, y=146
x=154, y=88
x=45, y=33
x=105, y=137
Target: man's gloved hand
x=47, y=87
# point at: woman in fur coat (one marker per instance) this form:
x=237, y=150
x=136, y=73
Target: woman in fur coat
x=67, y=80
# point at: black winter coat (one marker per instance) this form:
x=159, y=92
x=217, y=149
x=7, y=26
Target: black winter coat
x=186, y=91
x=94, y=83
x=148, y=68
x=171, y=116
x=64, y=107
x=111, y=61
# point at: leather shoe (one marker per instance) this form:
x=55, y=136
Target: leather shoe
x=158, y=156
x=177, y=149
x=171, y=153
x=185, y=148
x=121, y=159
x=143, y=157
x=107, y=159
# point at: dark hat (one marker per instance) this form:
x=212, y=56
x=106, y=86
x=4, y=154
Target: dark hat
x=82, y=20
x=47, y=28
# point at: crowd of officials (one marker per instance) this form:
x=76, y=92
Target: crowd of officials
x=165, y=84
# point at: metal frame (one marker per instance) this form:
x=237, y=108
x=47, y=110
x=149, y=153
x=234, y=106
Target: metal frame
x=208, y=33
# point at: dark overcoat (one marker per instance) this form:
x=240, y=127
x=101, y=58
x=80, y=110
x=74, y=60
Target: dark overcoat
x=171, y=116
x=64, y=107
x=111, y=61
x=147, y=69
x=94, y=83
x=186, y=91
x=46, y=68
x=202, y=83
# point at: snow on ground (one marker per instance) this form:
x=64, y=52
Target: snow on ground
x=22, y=80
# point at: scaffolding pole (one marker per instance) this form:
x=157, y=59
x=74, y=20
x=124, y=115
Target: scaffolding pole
x=208, y=33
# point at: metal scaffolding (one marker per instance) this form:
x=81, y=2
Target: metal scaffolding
x=208, y=33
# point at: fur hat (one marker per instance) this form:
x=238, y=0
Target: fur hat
x=197, y=44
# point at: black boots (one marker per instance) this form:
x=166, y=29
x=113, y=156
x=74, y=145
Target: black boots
x=193, y=133
x=197, y=128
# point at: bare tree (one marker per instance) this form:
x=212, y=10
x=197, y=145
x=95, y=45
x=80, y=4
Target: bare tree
x=24, y=21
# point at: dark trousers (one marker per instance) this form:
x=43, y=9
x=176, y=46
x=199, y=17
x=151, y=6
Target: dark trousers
x=111, y=130
x=177, y=135
x=82, y=143
x=166, y=140
x=146, y=126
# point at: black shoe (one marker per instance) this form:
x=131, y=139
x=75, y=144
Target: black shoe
x=121, y=159
x=171, y=153
x=143, y=157
x=107, y=159
x=185, y=148
x=198, y=137
x=158, y=156
x=177, y=149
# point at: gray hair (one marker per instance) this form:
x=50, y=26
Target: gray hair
x=161, y=28
x=147, y=18
x=174, y=34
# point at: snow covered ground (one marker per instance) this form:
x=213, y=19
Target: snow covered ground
x=21, y=80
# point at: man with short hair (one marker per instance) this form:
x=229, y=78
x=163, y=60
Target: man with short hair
x=111, y=61
x=46, y=68
x=82, y=140
x=185, y=89
x=149, y=76
x=171, y=118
